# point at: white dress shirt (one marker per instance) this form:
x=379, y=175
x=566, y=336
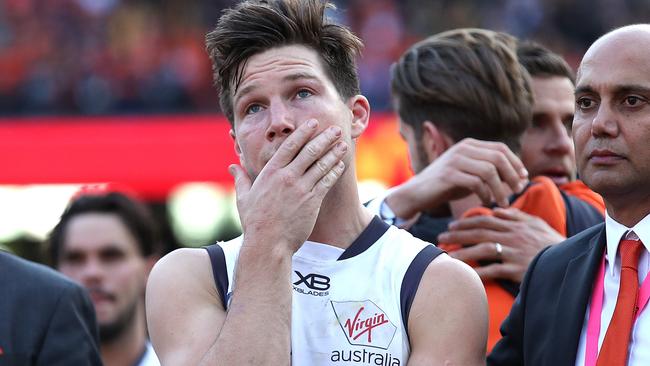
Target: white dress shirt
x=640, y=340
x=150, y=358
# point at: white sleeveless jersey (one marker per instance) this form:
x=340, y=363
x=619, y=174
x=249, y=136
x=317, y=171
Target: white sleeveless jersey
x=349, y=307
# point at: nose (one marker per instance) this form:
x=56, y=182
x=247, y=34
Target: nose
x=91, y=273
x=559, y=141
x=605, y=122
x=281, y=123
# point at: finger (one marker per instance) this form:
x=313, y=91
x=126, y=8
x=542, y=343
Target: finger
x=480, y=222
x=293, y=144
x=478, y=252
x=315, y=148
x=475, y=184
x=242, y=180
x=512, y=214
x=326, y=163
x=488, y=176
x=512, y=158
x=509, y=167
x=324, y=184
x=472, y=236
x=496, y=271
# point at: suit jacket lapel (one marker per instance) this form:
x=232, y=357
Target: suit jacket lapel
x=575, y=293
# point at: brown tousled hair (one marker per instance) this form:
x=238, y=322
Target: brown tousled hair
x=542, y=62
x=253, y=27
x=467, y=82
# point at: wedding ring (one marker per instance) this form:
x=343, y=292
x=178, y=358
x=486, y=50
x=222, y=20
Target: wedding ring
x=499, y=249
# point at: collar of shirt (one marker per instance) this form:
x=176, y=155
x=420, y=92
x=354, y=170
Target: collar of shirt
x=615, y=232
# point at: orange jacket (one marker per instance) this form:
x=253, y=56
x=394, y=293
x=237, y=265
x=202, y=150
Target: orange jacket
x=544, y=199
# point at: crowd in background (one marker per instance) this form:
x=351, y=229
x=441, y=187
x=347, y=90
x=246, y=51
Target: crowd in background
x=147, y=56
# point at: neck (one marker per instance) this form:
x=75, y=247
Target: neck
x=342, y=217
x=628, y=211
x=127, y=349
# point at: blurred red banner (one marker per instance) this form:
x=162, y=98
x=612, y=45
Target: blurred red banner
x=152, y=154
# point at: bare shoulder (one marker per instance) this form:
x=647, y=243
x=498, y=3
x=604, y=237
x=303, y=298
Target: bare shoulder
x=183, y=307
x=183, y=270
x=448, y=287
x=448, y=274
x=450, y=305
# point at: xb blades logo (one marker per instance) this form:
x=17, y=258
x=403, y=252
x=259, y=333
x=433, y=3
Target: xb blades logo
x=313, y=281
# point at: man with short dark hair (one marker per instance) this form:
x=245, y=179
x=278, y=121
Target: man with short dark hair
x=106, y=242
x=584, y=301
x=315, y=279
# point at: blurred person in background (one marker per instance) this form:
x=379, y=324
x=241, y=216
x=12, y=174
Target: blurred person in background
x=547, y=150
x=315, y=279
x=584, y=301
x=45, y=319
x=106, y=241
x=500, y=242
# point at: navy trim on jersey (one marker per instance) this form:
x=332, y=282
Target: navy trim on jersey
x=366, y=239
x=412, y=279
x=579, y=215
x=219, y=271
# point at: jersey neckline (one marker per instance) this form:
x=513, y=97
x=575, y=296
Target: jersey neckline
x=366, y=239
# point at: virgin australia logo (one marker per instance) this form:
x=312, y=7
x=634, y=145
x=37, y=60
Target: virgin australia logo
x=364, y=323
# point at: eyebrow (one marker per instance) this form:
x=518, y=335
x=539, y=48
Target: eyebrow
x=625, y=89
x=291, y=77
x=583, y=90
x=618, y=90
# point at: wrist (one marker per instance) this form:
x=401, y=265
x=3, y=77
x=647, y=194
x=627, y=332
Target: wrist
x=402, y=202
x=269, y=246
x=388, y=216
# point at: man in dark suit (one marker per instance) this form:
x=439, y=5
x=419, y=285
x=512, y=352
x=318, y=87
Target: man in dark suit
x=570, y=310
x=45, y=319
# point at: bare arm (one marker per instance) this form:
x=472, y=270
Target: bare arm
x=469, y=166
x=450, y=304
x=278, y=212
x=521, y=235
x=184, y=313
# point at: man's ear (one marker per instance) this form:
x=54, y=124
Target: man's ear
x=234, y=139
x=360, y=108
x=434, y=140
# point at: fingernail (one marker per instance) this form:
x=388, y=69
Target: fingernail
x=342, y=146
x=337, y=131
x=312, y=123
x=523, y=172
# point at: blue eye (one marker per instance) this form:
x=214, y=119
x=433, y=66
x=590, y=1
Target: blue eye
x=253, y=109
x=303, y=93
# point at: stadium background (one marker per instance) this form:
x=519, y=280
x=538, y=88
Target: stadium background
x=120, y=92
